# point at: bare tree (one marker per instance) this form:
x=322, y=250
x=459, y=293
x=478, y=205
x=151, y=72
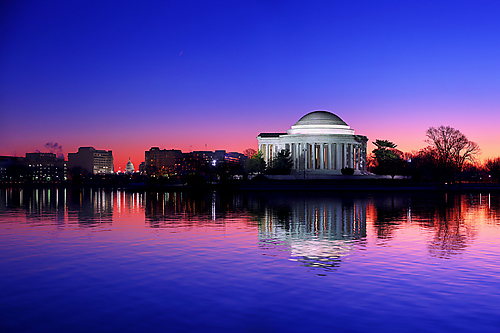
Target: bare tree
x=493, y=168
x=451, y=147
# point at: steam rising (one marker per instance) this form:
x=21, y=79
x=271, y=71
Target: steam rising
x=54, y=147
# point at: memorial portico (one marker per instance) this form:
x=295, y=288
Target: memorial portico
x=320, y=142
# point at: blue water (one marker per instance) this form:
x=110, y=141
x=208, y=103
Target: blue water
x=104, y=261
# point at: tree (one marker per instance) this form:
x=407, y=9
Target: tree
x=249, y=152
x=452, y=148
x=422, y=164
x=387, y=160
x=256, y=163
x=281, y=164
x=492, y=166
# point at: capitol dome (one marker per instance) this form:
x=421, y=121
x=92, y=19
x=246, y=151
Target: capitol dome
x=320, y=118
x=320, y=122
x=130, y=167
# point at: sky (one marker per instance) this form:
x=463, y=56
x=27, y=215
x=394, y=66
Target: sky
x=204, y=75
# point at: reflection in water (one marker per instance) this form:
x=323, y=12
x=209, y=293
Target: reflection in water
x=164, y=209
x=89, y=207
x=450, y=217
x=387, y=213
x=316, y=231
x=185, y=262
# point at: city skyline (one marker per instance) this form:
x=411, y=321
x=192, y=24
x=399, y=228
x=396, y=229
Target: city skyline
x=208, y=76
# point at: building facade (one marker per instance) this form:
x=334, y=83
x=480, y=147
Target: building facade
x=174, y=162
x=7, y=164
x=46, y=167
x=320, y=143
x=162, y=162
x=92, y=160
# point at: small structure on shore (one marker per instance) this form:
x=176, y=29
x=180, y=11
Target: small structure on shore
x=320, y=143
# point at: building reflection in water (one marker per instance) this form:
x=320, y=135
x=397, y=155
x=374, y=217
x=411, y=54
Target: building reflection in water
x=315, y=231
x=91, y=206
x=163, y=209
x=87, y=207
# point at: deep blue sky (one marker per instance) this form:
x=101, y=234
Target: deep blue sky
x=128, y=75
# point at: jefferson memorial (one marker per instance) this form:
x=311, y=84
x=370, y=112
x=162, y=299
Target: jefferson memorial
x=319, y=143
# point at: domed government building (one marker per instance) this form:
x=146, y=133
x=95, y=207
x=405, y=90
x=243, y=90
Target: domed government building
x=130, y=167
x=320, y=143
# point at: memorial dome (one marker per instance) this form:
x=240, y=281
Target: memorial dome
x=320, y=122
x=320, y=118
x=320, y=144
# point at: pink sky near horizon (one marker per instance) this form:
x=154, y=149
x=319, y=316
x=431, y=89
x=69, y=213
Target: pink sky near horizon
x=407, y=131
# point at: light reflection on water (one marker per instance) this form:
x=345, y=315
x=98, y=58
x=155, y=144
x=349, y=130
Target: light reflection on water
x=95, y=260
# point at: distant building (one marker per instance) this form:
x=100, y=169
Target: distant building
x=45, y=167
x=7, y=163
x=130, y=167
x=162, y=162
x=319, y=143
x=92, y=160
x=33, y=168
x=210, y=157
x=142, y=168
x=175, y=162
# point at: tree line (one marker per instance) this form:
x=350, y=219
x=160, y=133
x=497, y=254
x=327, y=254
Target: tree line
x=449, y=157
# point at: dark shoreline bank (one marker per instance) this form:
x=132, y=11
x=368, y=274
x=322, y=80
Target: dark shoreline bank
x=347, y=185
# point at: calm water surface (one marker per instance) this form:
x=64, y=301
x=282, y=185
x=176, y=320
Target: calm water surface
x=103, y=261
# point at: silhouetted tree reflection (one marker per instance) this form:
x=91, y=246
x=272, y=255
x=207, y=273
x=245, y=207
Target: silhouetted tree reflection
x=440, y=213
x=389, y=212
x=452, y=233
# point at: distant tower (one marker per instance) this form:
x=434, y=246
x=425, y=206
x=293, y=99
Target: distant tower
x=130, y=167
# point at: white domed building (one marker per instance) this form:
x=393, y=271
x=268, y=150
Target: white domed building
x=320, y=143
x=130, y=167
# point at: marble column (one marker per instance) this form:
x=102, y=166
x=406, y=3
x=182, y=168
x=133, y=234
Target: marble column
x=309, y=156
x=321, y=156
x=334, y=156
x=326, y=147
x=354, y=156
x=341, y=156
x=313, y=156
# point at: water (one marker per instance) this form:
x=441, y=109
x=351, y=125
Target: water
x=104, y=261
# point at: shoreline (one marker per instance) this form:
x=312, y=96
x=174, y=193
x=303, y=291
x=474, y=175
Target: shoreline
x=345, y=185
